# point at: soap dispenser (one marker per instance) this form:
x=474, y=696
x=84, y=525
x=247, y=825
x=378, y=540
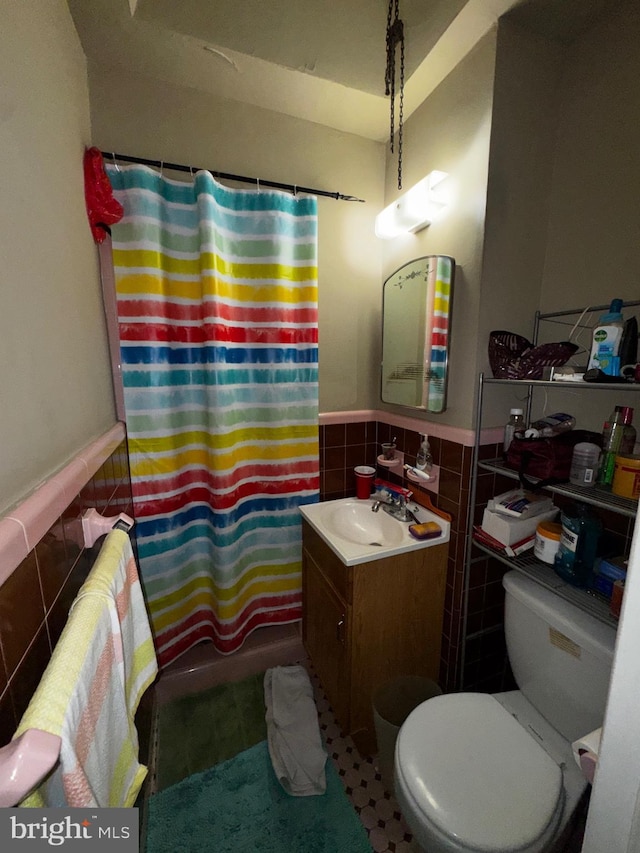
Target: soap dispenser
x=424, y=460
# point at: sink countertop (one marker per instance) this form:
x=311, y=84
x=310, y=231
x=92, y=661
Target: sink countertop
x=320, y=516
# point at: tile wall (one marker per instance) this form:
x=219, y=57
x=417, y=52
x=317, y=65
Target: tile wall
x=473, y=654
x=35, y=599
x=343, y=446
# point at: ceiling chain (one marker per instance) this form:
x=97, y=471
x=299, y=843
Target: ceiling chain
x=395, y=37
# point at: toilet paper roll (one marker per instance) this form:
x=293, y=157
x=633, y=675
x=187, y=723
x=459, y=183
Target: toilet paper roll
x=585, y=752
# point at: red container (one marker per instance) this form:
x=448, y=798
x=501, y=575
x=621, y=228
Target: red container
x=364, y=481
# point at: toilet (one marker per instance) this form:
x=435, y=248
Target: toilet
x=477, y=772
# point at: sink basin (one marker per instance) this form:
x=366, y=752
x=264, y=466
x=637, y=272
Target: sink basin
x=356, y=522
x=358, y=535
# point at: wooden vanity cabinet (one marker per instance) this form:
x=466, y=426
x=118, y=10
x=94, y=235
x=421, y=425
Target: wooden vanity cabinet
x=364, y=625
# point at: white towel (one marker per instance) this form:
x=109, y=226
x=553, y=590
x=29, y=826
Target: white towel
x=293, y=733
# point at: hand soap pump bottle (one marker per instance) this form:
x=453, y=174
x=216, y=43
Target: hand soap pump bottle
x=424, y=460
x=607, y=335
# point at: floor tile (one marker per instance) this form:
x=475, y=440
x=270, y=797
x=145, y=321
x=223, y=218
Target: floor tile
x=376, y=807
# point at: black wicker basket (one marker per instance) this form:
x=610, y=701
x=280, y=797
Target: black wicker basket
x=513, y=357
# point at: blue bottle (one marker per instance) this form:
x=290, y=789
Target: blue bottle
x=581, y=530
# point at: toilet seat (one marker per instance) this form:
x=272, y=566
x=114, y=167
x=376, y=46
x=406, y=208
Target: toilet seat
x=469, y=770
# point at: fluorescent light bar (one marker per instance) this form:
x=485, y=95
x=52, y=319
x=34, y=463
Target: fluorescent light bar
x=414, y=210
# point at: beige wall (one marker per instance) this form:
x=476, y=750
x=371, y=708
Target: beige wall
x=593, y=238
x=562, y=204
x=55, y=385
x=557, y=129
x=451, y=132
x=523, y=137
x=147, y=118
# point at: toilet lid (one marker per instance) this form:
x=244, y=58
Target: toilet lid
x=472, y=770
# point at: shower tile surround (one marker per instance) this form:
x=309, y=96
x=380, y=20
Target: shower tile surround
x=50, y=564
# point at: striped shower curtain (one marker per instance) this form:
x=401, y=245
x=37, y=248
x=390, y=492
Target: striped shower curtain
x=217, y=309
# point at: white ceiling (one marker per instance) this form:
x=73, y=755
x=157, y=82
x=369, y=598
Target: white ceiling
x=320, y=60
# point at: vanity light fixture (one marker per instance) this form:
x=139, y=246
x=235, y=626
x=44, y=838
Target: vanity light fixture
x=416, y=209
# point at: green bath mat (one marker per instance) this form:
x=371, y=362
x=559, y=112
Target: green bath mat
x=197, y=731
x=240, y=807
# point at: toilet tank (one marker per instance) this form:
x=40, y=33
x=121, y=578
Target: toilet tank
x=561, y=657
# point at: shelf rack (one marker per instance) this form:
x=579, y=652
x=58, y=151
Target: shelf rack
x=527, y=563
x=543, y=574
x=595, y=496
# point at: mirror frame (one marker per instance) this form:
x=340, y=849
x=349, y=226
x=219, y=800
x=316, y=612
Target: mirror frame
x=428, y=348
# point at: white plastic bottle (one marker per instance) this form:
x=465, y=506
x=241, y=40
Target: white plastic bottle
x=513, y=425
x=424, y=460
x=585, y=464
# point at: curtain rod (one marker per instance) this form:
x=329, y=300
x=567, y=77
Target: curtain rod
x=177, y=167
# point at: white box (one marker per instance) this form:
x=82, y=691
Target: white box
x=509, y=530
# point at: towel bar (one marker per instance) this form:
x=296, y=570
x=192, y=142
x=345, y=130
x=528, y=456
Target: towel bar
x=69, y=742
x=95, y=525
x=24, y=763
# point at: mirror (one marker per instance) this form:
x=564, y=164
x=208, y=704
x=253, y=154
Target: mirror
x=416, y=306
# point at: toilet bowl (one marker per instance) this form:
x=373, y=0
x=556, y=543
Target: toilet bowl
x=481, y=773
x=470, y=778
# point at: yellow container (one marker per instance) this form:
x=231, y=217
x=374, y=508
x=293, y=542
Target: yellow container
x=626, y=477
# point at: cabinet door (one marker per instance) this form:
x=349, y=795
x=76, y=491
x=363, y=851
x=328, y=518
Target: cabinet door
x=326, y=637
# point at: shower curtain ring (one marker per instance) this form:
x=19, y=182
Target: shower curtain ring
x=295, y=191
x=258, y=184
x=161, y=167
x=115, y=165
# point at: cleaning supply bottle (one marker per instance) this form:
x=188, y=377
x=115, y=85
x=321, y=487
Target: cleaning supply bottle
x=612, y=436
x=424, y=460
x=514, y=424
x=607, y=335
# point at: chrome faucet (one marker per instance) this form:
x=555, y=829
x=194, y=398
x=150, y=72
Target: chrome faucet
x=396, y=508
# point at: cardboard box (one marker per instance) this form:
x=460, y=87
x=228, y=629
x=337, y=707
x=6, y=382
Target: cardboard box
x=509, y=530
